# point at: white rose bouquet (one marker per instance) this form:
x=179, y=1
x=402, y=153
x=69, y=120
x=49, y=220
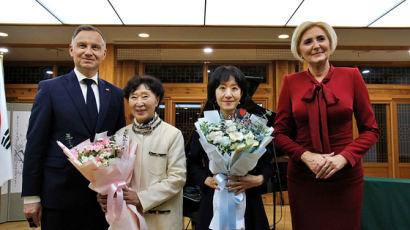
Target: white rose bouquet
x=233, y=147
x=108, y=163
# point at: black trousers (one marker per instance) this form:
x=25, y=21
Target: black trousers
x=88, y=217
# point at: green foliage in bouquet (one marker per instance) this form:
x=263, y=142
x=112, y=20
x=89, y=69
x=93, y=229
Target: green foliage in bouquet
x=103, y=150
x=235, y=135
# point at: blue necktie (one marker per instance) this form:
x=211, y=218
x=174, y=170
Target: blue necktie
x=91, y=104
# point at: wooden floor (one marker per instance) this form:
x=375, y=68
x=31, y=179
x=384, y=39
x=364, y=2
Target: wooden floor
x=283, y=219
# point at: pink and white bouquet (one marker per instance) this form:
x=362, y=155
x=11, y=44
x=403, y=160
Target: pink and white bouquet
x=233, y=147
x=103, y=151
x=108, y=163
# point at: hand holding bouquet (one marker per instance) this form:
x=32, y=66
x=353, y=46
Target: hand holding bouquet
x=233, y=147
x=108, y=164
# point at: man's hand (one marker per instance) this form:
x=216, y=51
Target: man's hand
x=33, y=211
x=102, y=200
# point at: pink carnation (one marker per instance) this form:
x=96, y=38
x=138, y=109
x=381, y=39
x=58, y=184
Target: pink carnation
x=106, y=141
x=74, y=153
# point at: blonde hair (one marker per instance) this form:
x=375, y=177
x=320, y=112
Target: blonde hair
x=301, y=29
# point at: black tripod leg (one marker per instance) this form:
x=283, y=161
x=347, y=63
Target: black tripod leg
x=274, y=210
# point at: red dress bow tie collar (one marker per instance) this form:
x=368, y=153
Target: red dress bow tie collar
x=318, y=98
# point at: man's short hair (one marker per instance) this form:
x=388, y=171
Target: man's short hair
x=86, y=28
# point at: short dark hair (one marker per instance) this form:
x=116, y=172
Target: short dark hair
x=152, y=83
x=221, y=75
x=86, y=28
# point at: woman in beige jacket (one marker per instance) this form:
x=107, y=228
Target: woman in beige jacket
x=160, y=168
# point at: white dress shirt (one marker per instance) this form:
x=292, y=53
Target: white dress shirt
x=94, y=86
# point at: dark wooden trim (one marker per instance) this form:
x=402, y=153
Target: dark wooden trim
x=202, y=45
x=246, y=46
x=373, y=48
x=371, y=63
x=37, y=63
x=32, y=45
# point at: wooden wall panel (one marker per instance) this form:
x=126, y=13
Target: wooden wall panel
x=128, y=69
x=106, y=70
x=282, y=69
x=21, y=92
x=189, y=90
x=404, y=170
x=124, y=71
x=376, y=169
x=388, y=92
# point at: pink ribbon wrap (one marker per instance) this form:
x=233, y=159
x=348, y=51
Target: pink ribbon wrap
x=110, y=181
x=114, y=204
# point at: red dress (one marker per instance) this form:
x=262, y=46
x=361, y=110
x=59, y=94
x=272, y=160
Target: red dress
x=318, y=117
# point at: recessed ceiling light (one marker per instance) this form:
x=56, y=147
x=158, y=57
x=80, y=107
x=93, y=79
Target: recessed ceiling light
x=208, y=50
x=2, y=34
x=4, y=50
x=409, y=51
x=365, y=71
x=143, y=35
x=283, y=36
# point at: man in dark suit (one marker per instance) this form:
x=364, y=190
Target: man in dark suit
x=76, y=105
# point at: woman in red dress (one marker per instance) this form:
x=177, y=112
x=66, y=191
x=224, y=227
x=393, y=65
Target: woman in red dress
x=314, y=127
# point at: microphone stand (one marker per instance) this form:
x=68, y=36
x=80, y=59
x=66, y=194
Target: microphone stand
x=276, y=175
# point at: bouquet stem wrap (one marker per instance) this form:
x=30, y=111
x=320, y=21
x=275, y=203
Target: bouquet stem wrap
x=114, y=204
x=110, y=180
x=217, y=142
x=231, y=207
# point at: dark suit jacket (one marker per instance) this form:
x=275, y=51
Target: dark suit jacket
x=59, y=108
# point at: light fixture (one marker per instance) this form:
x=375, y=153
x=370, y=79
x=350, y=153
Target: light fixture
x=143, y=35
x=208, y=71
x=409, y=51
x=4, y=50
x=208, y=50
x=101, y=13
x=365, y=71
x=2, y=34
x=181, y=12
x=49, y=72
x=29, y=12
x=283, y=36
x=338, y=17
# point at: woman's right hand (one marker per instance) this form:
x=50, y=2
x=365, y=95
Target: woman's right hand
x=102, y=200
x=210, y=182
x=315, y=161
